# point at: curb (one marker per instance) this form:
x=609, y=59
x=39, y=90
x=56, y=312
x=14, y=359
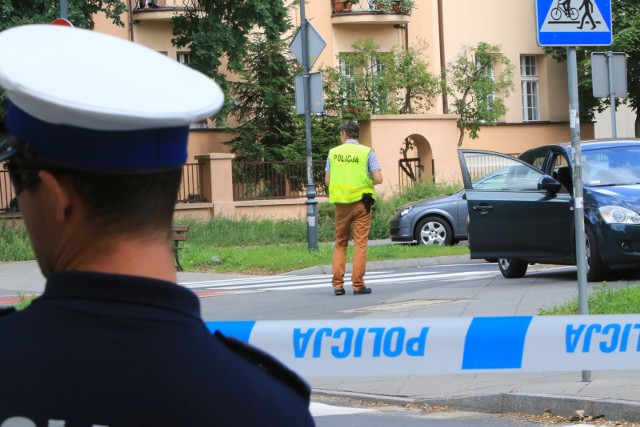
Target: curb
x=503, y=403
x=388, y=264
x=538, y=404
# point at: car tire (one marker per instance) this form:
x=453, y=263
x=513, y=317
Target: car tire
x=433, y=230
x=596, y=269
x=512, y=268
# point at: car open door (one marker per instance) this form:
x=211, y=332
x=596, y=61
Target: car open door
x=526, y=219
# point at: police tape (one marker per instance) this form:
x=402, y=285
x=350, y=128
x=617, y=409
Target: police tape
x=435, y=346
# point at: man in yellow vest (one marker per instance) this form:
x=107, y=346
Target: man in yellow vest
x=351, y=172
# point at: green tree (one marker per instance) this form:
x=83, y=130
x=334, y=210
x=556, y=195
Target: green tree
x=479, y=79
x=369, y=81
x=626, y=38
x=268, y=127
x=80, y=14
x=264, y=103
x=217, y=29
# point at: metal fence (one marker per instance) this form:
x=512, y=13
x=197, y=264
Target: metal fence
x=275, y=180
x=191, y=185
x=411, y=170
x=8, y=201
x=190, y=188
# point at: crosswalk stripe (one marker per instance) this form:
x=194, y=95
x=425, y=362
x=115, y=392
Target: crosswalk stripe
x=275, y=283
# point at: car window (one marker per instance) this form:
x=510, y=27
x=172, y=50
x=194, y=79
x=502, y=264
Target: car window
x=493, y=181
x=489, y=171
x=535, y=157
x=562, y=172
x=611, y=166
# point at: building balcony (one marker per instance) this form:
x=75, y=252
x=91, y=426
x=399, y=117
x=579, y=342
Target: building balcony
x=157, y=10
x=365, y=12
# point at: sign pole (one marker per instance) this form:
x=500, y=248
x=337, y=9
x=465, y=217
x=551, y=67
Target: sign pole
x=578, y=212
x=311, y=203
x=64, y=9
x=612, y=96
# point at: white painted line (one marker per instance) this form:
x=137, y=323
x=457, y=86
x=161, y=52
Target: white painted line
x=320, y=410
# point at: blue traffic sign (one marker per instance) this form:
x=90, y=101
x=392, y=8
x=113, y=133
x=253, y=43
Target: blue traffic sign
x=574, y=22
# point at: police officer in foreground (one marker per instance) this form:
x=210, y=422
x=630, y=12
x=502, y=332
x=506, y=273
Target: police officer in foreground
x=351, y=172
x=95, y=159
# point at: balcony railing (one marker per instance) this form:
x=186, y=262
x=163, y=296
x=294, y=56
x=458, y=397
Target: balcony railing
x=161, y=4
x=275, y=180
x=365, y=12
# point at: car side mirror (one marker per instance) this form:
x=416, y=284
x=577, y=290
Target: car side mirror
x=549, y=184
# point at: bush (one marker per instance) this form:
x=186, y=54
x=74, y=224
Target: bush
x=14, y=244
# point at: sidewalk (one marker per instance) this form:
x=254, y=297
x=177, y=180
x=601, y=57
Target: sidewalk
x=614, y=394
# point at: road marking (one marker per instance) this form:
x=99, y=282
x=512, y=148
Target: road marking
x=321, y=410
x=287, y=283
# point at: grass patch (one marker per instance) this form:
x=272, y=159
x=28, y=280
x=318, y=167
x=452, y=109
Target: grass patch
x=602, y=300
x=269, y=246
x=274, y=259
x=24, y=301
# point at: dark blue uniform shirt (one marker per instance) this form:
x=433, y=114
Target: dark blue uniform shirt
x=109, y=350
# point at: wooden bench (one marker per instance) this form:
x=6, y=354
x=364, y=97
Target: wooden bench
x=178, y=234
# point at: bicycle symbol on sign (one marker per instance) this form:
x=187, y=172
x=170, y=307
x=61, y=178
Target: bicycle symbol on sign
x=564, y=8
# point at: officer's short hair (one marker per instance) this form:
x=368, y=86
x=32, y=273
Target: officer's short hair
x=351, y=129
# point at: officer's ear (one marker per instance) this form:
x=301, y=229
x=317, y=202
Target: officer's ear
x=61, y=195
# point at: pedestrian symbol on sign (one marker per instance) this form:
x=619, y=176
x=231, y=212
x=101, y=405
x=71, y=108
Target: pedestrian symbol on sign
x=565, y=17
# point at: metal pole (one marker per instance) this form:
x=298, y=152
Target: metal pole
x=311, y=203
x=64, y=9
x=612, y=96
x=574, y=123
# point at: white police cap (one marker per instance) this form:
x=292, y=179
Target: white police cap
x=92, y=101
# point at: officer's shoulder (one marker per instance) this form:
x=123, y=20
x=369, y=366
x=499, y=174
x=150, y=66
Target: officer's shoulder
x=5, y=311
x=266, y=363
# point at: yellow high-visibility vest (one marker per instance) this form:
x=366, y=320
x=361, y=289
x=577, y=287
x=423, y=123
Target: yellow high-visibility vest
x=348, y=173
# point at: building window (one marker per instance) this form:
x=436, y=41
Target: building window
x=486, y=98
x=184, y=57
x=378, y=91
x=349, y=83
x=530, y=83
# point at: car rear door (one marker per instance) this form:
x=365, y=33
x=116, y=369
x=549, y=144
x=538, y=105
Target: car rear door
x=519, y=220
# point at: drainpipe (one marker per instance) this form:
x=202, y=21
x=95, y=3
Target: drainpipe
x=131, y=20
x=443, y=64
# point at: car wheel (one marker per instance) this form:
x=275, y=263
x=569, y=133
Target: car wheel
x=596, y=269
x=433, y=231
x=512, y=268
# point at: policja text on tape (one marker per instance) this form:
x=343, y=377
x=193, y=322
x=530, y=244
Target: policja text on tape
x=435, y=346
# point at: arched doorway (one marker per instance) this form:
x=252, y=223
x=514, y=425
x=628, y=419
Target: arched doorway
x=416, y=161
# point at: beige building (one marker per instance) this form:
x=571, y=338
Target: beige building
x=537, y=106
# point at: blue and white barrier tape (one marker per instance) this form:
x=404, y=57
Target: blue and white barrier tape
x=434, y=346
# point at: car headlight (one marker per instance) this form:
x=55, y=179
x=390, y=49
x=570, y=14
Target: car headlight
x=405, y=211
x=619, y=215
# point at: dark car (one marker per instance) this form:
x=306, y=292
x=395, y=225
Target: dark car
x=531, y=218
x=438, y=220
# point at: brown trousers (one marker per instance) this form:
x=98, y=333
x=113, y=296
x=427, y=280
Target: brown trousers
x=347, y=214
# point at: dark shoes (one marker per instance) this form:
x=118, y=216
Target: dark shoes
x=363, y=291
